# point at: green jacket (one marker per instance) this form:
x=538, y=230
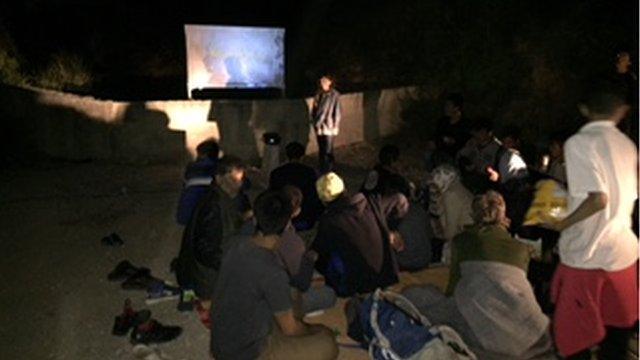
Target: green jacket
x=488, y=243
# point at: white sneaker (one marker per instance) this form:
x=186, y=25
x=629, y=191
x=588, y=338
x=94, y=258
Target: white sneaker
x=314, y=313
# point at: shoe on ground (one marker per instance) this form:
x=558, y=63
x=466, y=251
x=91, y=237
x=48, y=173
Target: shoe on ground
x=124, y=270
x=314, y=314
x=112, y=240
x=187, y=300
x=141, y=280
x=146, y=352
x=153, y=332
x=129, y=319
x=203, y=314
x=159, y=292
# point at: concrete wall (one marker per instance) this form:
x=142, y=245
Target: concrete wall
x=54, y=124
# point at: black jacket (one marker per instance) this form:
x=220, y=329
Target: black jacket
x=357, y=230
x=216, y=218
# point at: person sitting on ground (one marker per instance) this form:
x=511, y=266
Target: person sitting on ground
x=198, y=175
x=304, y=178
x=356, y=238
x=384, y=179
x=299, y=263
x=494, y=166
x=253, y=315
x=487, y=240
x=512, y=139
x=557, y=168
x=224, y=212
x=417, y=236
x=492, y=305
x=451, y=133
x=487, y=160
x=449, y=208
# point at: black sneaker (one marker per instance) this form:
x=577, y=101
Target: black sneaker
x=141, y=280
x=154, y=332
x=124, y=270
x=187, y=300
x=112, y=240
x=159, y=291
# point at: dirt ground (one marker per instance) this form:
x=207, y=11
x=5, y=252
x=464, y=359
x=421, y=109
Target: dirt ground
x=56, y=302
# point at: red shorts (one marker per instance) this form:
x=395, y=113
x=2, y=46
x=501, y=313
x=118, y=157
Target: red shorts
x=589, y=300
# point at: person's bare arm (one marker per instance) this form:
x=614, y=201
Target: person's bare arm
x=289, y=325
x=595, y=202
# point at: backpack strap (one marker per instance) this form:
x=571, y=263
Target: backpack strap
x=380, y=340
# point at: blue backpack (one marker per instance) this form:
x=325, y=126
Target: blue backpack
x=394, y=330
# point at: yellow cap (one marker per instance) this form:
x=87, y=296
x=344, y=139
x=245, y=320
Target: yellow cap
x=329, y=187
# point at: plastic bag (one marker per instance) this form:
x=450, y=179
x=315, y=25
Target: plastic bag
x=549, y=202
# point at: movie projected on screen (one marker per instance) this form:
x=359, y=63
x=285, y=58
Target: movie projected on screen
x=234, y=57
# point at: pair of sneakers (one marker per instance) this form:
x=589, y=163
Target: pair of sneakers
x=132, y=277
x=129, y=319
x=144, y=329
x=153, y=332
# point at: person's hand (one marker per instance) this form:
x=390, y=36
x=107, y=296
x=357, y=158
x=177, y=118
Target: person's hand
x=396, y=241
x=493, y=175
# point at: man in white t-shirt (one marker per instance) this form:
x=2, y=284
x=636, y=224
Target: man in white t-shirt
x=595, y=287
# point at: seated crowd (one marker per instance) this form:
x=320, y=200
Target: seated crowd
x=258, y=269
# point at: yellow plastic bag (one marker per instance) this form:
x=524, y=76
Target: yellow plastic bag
x=549, y=202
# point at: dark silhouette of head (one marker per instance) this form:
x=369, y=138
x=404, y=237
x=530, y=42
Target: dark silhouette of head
x=294, y=150
x=388, y=155
x=273, y=211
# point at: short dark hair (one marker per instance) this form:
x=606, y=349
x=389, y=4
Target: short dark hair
x=456, y=99
x=482, y=124
x=209, y=148
x=273, y=211
x=295, y=195
x=294, y=150
x=388, y=154
x=228, y=163
x=604, y=99
x=330, y=77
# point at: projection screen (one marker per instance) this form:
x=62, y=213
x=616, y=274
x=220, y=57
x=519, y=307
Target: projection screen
x=234, y=57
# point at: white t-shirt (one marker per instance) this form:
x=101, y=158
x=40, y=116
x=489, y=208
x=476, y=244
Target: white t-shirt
x=600, y=158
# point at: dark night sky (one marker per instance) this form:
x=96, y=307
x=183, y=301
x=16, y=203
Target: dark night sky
x=135, y=49
x=125, y=39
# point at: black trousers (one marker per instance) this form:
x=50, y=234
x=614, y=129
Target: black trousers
x=614, y=346
x=325, y=153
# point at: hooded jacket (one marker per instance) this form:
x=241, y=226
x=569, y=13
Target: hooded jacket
x=356, y=230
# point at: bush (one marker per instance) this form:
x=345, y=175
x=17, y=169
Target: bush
x=65, y=72
x=9, y=62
